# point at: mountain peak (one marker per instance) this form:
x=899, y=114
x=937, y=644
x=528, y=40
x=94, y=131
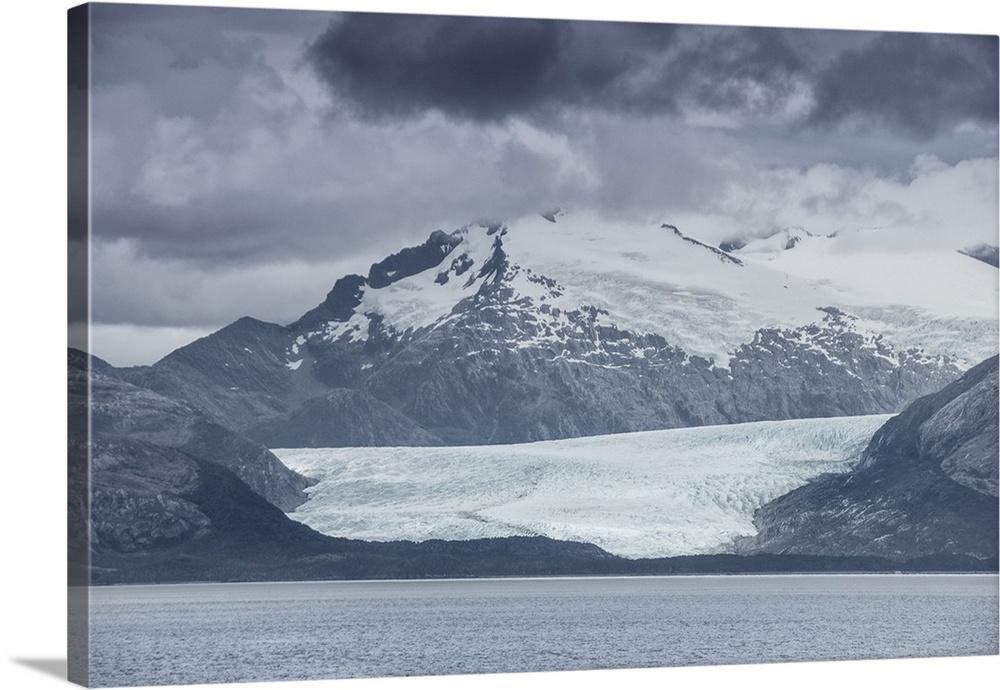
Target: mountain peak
x=413, y=260
x=987, y=253
x=554, y=214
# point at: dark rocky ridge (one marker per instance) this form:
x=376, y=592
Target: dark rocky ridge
x=121, y=410
x=235, y=375
x=987, y=253
x=159, y=515
x=339, y=304
x=828, y=370
x=412, y=260
x=722, y=253
x=926, y=484
x=348, y=291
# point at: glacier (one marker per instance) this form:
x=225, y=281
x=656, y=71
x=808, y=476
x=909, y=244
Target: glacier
x=638, y=495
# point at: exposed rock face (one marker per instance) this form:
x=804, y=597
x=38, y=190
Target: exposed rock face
x=926, y=484
x=987, y=253
x=828, y=370
x=342, y=417
x=963, y=435
x=149, y=480
x=412, y=260
x=159, y=515
x=138, y=495
x=505, y=363
x=478, y=382
x=720, y=252
x=119, y=409
x=339, y=304
x=237, y=375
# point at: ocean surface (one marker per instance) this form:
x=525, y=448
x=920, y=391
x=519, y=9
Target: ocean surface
x=202, y=633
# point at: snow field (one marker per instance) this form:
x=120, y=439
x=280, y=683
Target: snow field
x=646, y=494
x=649, y=280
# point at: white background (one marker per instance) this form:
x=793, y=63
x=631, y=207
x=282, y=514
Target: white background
x=33, y=346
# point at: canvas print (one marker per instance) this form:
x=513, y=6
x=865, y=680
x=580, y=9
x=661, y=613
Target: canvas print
x=416, y=345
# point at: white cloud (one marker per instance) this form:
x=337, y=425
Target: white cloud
x=126, y=345
x=939, y=205
x=130, y=288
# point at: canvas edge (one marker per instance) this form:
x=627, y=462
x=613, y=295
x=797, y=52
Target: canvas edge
x=78, y=290
x=78, y=322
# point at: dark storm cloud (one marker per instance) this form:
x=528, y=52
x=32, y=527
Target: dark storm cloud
x=717, y=71
x=473, y=68
x=916, y=82
x=479, y=68
x=489, y=69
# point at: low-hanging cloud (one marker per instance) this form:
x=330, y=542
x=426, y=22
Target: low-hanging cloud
x=387, y=66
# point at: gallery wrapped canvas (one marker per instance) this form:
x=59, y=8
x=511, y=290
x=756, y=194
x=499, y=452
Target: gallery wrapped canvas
x=422, y=345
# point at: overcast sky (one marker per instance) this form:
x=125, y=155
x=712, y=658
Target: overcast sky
x=245, y=159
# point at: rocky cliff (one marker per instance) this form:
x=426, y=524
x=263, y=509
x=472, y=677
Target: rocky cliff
x=118, y=409
x=926, y=484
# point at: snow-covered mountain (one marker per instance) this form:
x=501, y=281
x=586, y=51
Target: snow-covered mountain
x=455, y=354
x=568, y=325
x=924, y=296
x=640, y=495
x=654, y=279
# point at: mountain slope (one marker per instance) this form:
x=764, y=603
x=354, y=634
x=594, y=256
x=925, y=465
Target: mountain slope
x=237, y=374
x=927, y=484
x=159, y=515
x=142, y=510
x=560, y=327
x=342, y=417
x=119, y=409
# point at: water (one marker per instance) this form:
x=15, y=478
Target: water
x=202, y=633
